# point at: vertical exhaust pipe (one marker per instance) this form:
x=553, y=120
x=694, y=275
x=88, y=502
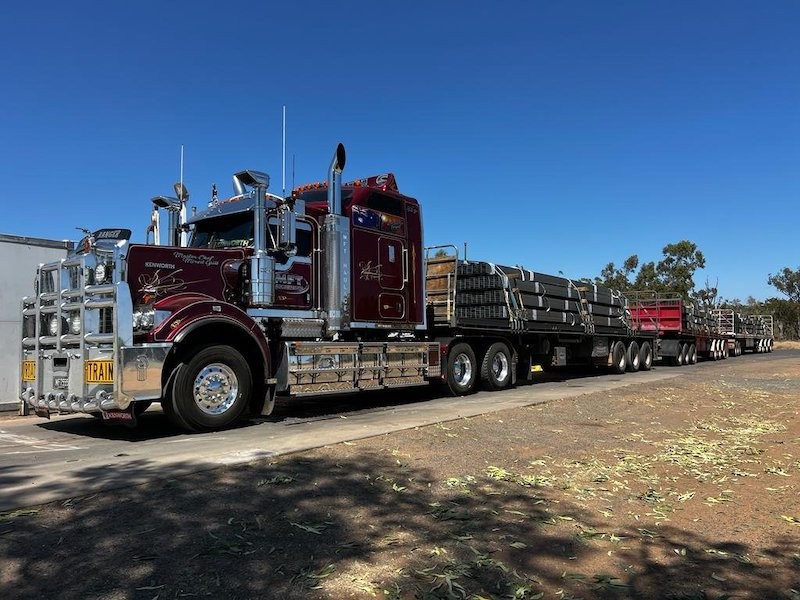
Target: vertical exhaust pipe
x=335, y=181
x=262, y=266
x=336, y=251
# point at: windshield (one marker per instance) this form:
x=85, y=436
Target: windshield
x=229, y=231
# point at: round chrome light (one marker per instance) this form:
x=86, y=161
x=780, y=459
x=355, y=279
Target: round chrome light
x=75, y=323
x=53, y=325
x=100, y=272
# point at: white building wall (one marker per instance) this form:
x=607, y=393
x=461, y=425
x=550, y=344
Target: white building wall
x=19, y=258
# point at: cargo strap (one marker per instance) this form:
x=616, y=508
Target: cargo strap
x=583, y=307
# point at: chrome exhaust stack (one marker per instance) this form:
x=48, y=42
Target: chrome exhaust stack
x=173, y=207
x=262, y=266
x=336, y=251
x=335, y=181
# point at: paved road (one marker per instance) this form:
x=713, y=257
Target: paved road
x=42, y=461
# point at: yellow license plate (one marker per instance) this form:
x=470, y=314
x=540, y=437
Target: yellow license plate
x=28, y=370
x=99, y=371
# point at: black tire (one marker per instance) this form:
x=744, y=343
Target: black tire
x=167, y=405
x=619, y=358
x=687, y=358
x=496, y=367
x=645, y=356
x=462, y=369
x=634, y=361
x=679, y=357
x=141, y=406
x=692, y=354
x=211, y=389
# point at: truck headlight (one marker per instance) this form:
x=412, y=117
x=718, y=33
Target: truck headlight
x=101, y=272
x=144, y=318
x=28, y=327
x=53, y=326
x=75, y=323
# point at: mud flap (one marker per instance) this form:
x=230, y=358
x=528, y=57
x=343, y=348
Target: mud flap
x=125, y=417
x=269, y=399
x=42, y=412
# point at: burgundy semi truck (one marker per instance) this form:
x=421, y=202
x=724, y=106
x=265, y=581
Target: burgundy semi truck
x=329, y=290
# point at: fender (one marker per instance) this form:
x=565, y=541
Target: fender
x=200, y=311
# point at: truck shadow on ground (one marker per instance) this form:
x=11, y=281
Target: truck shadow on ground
x=359, y=524
x=154, y=425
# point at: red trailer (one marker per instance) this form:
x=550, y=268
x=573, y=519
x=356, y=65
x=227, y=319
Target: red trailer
x=684, y=331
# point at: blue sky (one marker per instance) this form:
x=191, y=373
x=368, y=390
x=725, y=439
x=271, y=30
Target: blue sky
x=557, y=135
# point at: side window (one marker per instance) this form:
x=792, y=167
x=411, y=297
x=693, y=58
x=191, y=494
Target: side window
x=304, y=237
x=305, y=242
x=386, y=204
x=382, y=213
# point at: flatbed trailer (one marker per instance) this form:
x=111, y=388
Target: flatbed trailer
x=745, y=333
x=495, y=319
x=685, y=332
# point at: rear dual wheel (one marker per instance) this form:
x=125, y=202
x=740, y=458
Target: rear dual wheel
x=678, y=358
x=496, y=367
x=634, y=357
x=619, y=358
x=645, y=356
x=463, y=371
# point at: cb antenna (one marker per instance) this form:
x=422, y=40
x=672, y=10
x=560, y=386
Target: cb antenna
x=284, y=151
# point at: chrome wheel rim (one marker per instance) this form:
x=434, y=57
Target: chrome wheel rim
x=462, y=369
x=500, y=367
x=215, y=389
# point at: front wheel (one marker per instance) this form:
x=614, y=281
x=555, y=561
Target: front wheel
x=462, y=371
x=496, y=367
x=211, y=389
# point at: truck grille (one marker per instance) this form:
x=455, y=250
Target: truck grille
x=69, y=321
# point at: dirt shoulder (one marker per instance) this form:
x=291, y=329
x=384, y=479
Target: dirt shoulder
x=686, y=489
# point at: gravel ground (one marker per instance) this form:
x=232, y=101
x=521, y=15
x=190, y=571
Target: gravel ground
x=683, y=490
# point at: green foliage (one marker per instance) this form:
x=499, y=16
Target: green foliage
x=708, y=295
x=672, y=275
x=786, y=315
x=787, y=282
x=676, y=270
x=786, y=312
